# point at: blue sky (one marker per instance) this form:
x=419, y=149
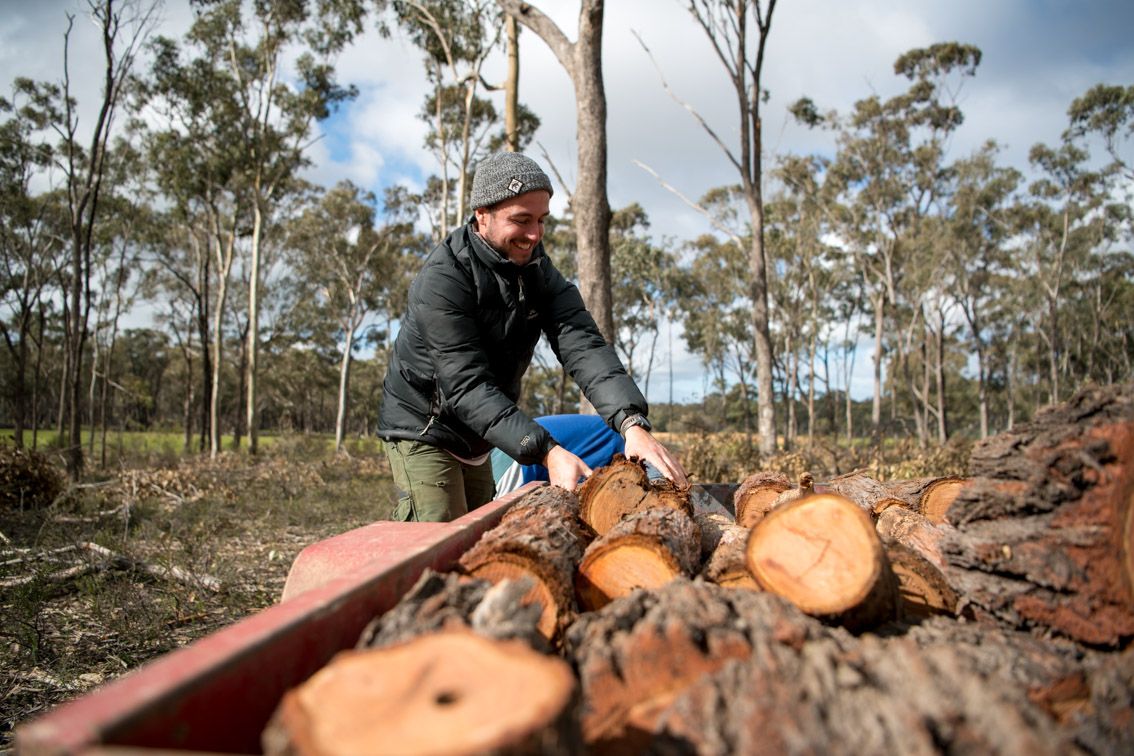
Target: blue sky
x=1038, y=55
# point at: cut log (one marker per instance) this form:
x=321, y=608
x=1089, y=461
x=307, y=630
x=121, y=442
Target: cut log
x=636, y=654
x=1044, y=533
x=620, y=489
x=930, y=497
x=452, y=692
x=754, y=499
x=823, y=554
x=863, y=490
x=448, y=602
x=806, y=487
x=723, y=550
x=646, y=550
x=913, y=549
x=847, y=695
x=539, y=539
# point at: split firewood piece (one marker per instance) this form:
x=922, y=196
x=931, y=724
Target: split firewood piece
x=930, y=497
x=636, y=654
x=646, y=550
x=754, y=499
x=540, y=539
x=723, y=550
x=823, y=554
x=451, y=601
x=945, y=696
x=622, y=488
x=805, y=487
x=449, y=692
x=1044, y=534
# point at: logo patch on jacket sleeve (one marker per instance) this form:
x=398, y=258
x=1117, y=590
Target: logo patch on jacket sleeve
x=525, y=442
x=515, y=185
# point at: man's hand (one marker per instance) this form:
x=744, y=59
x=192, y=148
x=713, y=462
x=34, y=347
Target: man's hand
x=564, y=468
x=640, y=444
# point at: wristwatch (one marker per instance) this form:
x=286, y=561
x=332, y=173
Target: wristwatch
x=632, y=420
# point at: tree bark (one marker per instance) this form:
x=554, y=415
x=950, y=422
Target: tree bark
x=635, y=655
x=540, y=538
x=1044, y=534
x=930, y=497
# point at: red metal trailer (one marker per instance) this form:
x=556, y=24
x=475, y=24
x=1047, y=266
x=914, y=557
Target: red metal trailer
x=217, y=693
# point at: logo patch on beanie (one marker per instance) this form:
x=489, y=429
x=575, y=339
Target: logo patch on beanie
x=515, y=185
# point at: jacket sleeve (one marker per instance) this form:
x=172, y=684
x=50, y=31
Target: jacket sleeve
x=592, y=363
x=467, y=388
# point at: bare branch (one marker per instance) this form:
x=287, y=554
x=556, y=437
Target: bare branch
x=699, y=208
x=704, y=124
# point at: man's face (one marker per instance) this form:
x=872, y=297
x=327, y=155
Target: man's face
x=515, y=226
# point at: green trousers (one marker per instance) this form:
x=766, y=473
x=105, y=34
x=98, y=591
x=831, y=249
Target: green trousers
x=433, y=485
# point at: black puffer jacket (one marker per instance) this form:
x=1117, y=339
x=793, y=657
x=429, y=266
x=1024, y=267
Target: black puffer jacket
x=467, y=338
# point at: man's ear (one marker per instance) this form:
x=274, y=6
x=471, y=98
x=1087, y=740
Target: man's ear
x=479, y=214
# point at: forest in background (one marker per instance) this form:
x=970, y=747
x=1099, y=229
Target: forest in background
x=984, y=290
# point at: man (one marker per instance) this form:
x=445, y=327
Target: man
x=475, y=314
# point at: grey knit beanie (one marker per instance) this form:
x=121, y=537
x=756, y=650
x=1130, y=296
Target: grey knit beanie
x=503, y=175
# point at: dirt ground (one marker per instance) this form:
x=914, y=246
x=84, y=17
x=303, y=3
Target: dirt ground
x=143, y=561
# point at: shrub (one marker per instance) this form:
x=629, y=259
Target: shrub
x=28, y=480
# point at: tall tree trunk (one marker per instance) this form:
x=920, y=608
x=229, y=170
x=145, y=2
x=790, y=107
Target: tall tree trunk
x=344, y=384
x=254, y=324
x=582, y=60
x=876, y=405
x=512, y=87
x=939, y=364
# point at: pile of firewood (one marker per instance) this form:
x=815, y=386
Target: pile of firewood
x=990, y=614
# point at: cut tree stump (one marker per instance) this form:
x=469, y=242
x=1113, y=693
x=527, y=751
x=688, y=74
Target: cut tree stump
x=723, y=552
x=636, y=654
x=622, y=488
x=646, y=550
x=930, y=497
x=823, y=554
x=449, y=692
x=541, y=539
x=448, y=602
x=1044, y=535
x=756, y=495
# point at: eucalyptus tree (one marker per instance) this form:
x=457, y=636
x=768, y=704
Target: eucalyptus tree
x=81, y=158
x=345, y=262
x=1064, y=223
x=977, y=232
x=582, y=60
x=457, y=37
x=890, y=165
x=31, y=237
x=1107, y=111
x=643, y=290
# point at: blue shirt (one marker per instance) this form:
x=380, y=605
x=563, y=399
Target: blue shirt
x=586, y=436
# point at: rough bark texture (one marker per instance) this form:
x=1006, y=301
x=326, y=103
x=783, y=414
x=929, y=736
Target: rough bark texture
x=449, y=692
x=646, y=550
x=913, y=547
x=930, y=497
x=1044, y=529
x=862, y=489
x=723, y=557
x=824, y=555
x=636, y=655
x=843, y=695
x=540, y=538
x=754, y=499
x=446, y=602
x=622, y=488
